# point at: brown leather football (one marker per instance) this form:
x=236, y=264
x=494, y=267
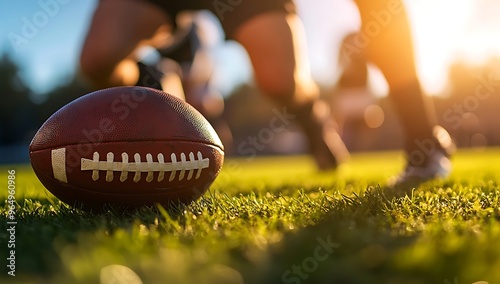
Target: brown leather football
x=127, y=147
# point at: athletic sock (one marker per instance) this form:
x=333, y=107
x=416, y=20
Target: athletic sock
x=415, y=113
x=149, y=76
x=313, y=117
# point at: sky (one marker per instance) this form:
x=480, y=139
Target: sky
x=44, y=39
x=45, y=36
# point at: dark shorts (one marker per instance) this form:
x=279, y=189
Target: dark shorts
x=231, y=13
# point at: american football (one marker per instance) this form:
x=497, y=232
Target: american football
x=126, y=146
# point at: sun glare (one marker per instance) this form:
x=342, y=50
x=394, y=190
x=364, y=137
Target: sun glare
x=446, y=30
x=438, y=27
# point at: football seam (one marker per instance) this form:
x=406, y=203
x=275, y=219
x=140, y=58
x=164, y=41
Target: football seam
x=128, y=141
x=91, y=191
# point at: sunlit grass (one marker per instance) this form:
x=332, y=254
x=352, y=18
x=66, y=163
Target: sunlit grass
x=273, y=220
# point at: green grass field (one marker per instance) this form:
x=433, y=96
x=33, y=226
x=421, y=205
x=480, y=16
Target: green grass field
x=272, y=220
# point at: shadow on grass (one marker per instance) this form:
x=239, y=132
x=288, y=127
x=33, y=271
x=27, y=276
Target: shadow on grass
x=358, y=241
x=364, y=238
x=43, y=225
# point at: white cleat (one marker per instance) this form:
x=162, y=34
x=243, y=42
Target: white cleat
x=438, y=166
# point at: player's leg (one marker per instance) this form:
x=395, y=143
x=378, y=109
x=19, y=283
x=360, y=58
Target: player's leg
x=189, y=46
x=275, y=44
x=391, y=49
x=386, y=39
x=118, y=28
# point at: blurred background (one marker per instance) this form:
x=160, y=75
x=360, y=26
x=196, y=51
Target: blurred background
x=457, y=47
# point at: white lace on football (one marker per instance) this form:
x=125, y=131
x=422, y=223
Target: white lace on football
x=194, y=164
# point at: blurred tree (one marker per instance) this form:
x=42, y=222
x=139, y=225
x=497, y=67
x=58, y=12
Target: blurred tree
x=60, y=96
x=20, y=115
x=17, y=111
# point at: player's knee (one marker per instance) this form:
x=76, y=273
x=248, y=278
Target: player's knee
x=96, y=66
x=90, y=67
